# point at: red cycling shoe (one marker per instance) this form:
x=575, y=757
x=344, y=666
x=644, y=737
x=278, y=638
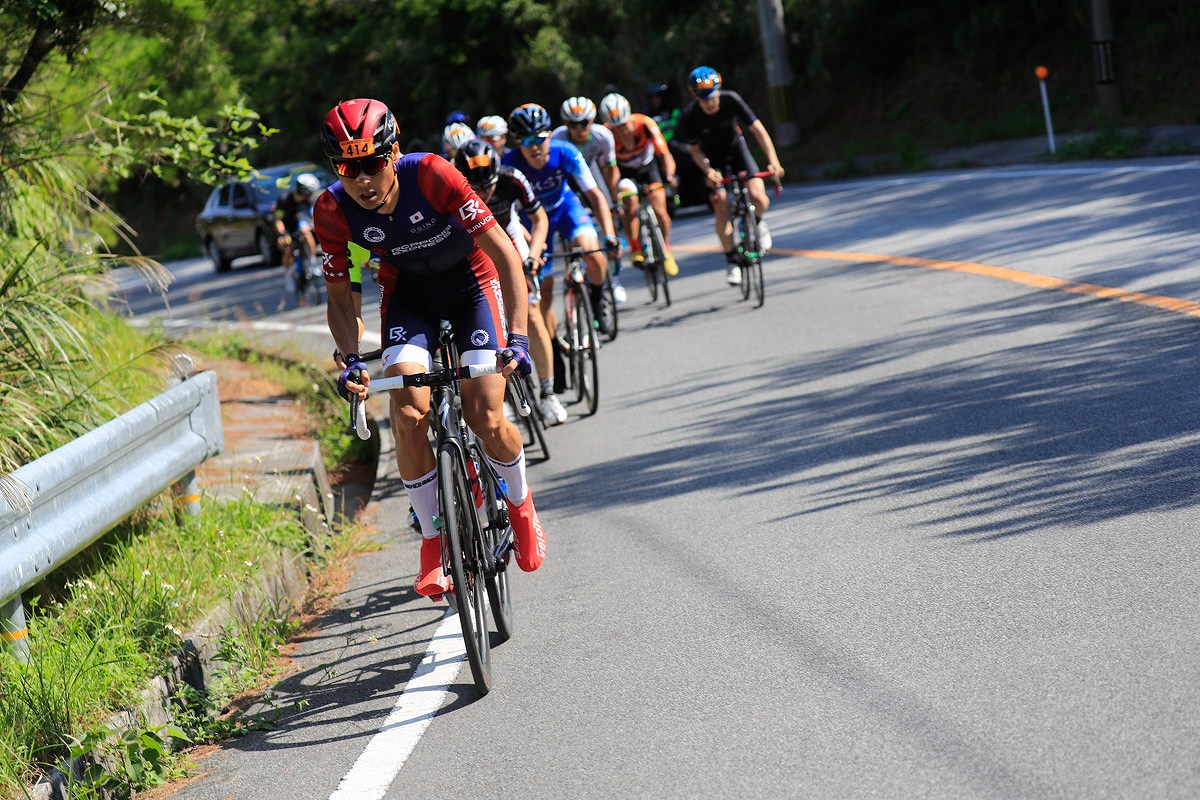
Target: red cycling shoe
x=432, y=581
x=530, y=537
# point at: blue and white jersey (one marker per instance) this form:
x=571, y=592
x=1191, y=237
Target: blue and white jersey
x=550, y=182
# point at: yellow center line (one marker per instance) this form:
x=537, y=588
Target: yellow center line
x=1173, y=304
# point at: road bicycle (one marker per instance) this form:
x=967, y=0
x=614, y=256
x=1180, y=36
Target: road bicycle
x=472, y=518
x=580, y=339
x=654, y=248
x=744, y=218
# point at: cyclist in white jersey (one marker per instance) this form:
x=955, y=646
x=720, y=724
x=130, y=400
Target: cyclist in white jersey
x=597, y=145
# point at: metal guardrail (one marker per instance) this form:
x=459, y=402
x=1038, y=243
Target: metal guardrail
x=81, y=490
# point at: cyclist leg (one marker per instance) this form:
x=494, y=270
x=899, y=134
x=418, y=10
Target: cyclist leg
x=540, y=348
x=627, y=195
x=408, y=351
x=758, y=195
x=479, y=331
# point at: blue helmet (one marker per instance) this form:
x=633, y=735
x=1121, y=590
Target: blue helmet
x=457, y=116
x=529, y=119
x=703, y=81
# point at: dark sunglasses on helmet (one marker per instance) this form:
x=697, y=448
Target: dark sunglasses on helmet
x=370, y=165
x=535, y=140
x=579, y=125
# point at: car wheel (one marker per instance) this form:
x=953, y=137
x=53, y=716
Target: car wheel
x=221, y=262
x=267, y=251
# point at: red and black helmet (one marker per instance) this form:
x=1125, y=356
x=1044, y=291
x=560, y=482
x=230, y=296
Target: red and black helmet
x=357, y=129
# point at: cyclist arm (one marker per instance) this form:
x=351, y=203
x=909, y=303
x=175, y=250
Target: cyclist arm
x=711, y=175
x=281, y=231
x=340, y=311
x=537, y=236
x=661, y=151
x=499, y=248
x=759, y=131
x=669, y=166
x=596, y=198
x=612, y=176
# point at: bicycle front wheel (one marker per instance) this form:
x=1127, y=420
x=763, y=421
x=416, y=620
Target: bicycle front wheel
x=533, y=427
x=498, y=540
x=749, y=248
x=587, y=368
x=611, y=298
x=756, y=281
x=461, y=543
x=659, y=247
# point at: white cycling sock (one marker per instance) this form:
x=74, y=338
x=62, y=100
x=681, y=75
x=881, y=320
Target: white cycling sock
x=514, y=478
x=423, y=494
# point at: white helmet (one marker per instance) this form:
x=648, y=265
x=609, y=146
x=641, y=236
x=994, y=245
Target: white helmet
x=614, y=109
x=456, y=135
x=491, y=127
x=578, y=109
x=307, y=182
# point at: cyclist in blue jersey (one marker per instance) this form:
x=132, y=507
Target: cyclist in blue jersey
x=548, y=163
x=441, y=255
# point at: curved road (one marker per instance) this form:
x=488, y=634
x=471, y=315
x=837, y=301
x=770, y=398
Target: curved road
x=922, y=526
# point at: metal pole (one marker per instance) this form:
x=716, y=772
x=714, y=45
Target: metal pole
x=187, y=494
x=779, y=72
x=14, y=631
x=1104, y=64
x=187, y=488
x=1041, y=73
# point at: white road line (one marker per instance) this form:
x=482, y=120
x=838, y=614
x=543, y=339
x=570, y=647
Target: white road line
x=388, y=749
x=369, y=337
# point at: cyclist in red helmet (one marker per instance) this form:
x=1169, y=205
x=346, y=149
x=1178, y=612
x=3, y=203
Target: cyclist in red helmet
x=441, y=256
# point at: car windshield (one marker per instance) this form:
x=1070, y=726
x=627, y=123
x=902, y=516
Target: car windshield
x=271, y=186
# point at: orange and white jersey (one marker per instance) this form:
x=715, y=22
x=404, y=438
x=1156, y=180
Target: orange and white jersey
x=638, y=140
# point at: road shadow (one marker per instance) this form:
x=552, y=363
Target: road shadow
x=1074, y=429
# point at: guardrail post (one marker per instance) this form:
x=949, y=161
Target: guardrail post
x=14, y=631
x=187, y=494
x=187, y=489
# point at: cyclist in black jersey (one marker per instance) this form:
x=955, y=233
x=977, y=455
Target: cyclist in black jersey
x=293, y=217
x=713, y=125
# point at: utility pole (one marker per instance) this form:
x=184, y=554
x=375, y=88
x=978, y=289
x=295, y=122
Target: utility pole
x=786, y=130
x=1108, y=89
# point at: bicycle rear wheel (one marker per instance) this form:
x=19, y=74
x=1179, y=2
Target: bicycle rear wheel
x=586, y=366
x=461, y=542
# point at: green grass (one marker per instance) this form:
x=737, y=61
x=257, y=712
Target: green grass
x=106, y=622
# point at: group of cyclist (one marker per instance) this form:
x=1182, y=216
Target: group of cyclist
x=462, y=236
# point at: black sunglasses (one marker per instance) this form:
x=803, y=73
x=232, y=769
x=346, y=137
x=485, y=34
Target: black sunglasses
x=371, y=165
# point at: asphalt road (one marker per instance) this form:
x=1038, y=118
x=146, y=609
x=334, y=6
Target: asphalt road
x=906, y=531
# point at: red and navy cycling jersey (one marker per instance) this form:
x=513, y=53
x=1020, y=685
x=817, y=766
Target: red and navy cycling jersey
x=512, y=187
x=431, y=231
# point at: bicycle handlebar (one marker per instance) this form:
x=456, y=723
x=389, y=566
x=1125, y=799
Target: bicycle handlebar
x=437, y=377
x=745, y=176
x=572, y=253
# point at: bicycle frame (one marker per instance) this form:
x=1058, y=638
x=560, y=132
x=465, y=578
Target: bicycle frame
x=581, y=340
x=473, y=519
